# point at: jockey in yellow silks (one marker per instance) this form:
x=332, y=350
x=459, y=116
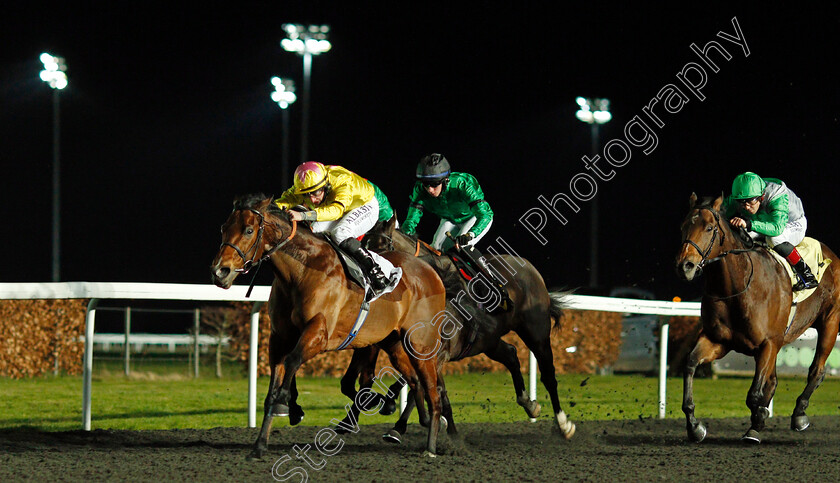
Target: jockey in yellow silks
x=339, y=203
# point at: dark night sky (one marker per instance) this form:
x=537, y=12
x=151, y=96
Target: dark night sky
x=167, y=118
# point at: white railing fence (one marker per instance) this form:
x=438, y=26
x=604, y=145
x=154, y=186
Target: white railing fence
x=191, y=292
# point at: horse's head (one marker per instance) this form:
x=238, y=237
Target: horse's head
x=250, y=235
x=380, y=238
x=704, y=232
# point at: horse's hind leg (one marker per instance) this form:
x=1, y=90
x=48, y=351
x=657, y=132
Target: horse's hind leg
x=505, y=353
x=446, y=408
x=704, y=351
x=761, y=390
x=541, y=347
x=816, y=373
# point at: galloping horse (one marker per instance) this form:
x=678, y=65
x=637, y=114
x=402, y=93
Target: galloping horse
x=745, y=307
x=531, y=315
x=313, y=306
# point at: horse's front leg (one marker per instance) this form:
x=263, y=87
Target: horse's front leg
x=761, y=390
x=704, y=351
x=396, y=433
x=312, y=341
x=362, y=366
x=277, y=348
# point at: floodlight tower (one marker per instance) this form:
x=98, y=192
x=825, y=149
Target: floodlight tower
x=594, y=112
x=306, y=41
x=284, y=96
x=53, y=74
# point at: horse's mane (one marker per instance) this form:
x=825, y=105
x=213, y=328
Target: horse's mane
x=739, y=234
x=254, y=200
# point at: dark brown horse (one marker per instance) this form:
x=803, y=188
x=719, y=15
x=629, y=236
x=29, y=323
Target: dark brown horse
x=745, y=307
x=531, y=315
x=313, y=306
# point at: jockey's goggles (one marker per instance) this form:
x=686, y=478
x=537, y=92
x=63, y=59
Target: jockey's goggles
x=748, y=201
x=433, y=183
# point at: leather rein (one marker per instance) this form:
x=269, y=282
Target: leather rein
x=249, y=263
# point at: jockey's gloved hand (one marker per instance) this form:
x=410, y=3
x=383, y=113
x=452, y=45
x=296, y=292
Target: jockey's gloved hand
x=465, y=239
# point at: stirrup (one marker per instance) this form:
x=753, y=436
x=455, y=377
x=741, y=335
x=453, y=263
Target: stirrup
x=378, y=280
x=805, y=285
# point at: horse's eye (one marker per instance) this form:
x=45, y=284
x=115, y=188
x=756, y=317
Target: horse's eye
x=249, y=231
x=710, y=228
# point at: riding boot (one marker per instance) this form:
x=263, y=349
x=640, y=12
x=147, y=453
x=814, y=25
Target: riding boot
x=353, y=247
x=481, y=264
x=807, y=280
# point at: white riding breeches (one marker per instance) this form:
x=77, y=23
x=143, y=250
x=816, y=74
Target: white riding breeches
x=441, y=242
x=793, y=233
x=353, y=224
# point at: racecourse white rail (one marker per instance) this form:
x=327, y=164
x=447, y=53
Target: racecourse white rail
x=96, y=291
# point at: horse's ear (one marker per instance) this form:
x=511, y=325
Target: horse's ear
x=718, y=202
x=390, y=225
x=692, y=200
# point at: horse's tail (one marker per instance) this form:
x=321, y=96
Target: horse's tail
x=559, y=300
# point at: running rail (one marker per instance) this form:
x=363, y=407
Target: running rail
x=95, y=291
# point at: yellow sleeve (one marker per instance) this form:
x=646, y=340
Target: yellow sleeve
x=342, y=198
x=288, y=199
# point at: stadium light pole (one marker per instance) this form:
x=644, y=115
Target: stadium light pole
x=306, y=41
x=593, y=112
x=284, y=96
x=53, y=74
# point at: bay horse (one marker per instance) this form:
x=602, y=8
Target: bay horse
x=531, y=315
x=313, y=306
x=745, y=307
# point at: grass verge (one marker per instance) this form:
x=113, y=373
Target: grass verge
x=151, y=401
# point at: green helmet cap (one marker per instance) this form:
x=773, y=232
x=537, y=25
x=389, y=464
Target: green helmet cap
x=747, y=185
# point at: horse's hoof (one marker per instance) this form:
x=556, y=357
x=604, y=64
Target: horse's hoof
x=279, y=410
x=443, y=423
x=392, y=436
x=342, y=427
x=429, y=454
x=388, y=408
x=569, y=432
x=296, y=416
x=751, y=436
x=255, y=455
x=532, y=409
x=697, y=433
x=799, y=423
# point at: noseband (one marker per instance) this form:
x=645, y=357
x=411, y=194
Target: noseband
x=249, y=263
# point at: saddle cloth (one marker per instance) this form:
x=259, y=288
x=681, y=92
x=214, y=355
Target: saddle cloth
x=810, y=251
x=355, y=272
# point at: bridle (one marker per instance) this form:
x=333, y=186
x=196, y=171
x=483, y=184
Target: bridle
x=704, y=254
x=249, y=263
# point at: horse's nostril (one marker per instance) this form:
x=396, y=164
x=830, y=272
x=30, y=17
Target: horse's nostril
x=222, y=272
x=688, y=266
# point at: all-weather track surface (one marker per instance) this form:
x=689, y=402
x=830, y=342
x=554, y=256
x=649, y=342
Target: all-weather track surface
x=633, y=450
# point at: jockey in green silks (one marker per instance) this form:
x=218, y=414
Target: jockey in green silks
x=459, y=201
x=766, y=206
